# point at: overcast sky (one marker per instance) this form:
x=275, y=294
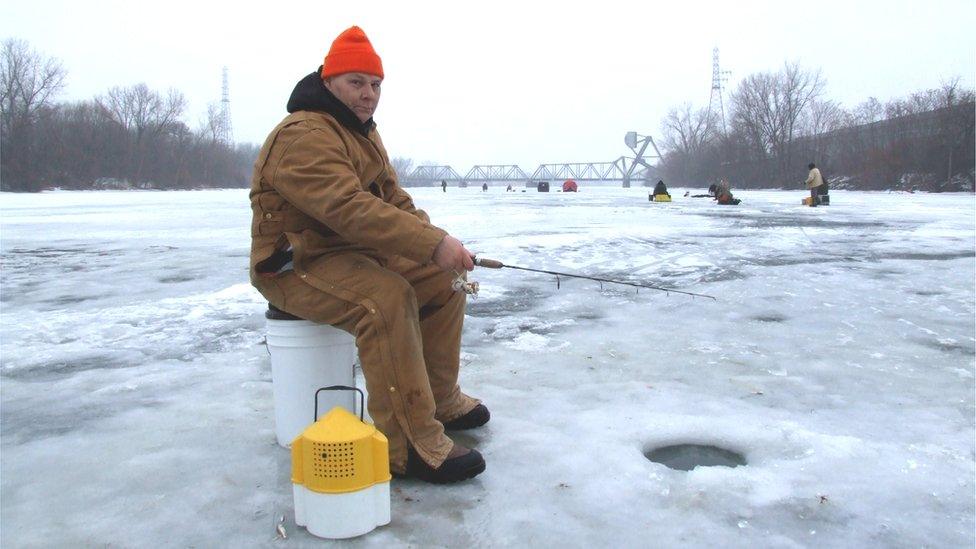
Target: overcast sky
x=499, y=82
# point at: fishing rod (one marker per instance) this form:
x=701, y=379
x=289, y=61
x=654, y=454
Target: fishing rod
x=495, y=264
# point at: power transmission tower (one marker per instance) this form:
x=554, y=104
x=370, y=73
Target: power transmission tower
x=226, y=129
x=716, y=105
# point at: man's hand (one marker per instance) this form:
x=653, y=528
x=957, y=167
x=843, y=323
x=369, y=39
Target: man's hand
x=451, y=255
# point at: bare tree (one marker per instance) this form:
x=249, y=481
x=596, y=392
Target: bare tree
x=171, y=112
x=28, y=80
x=871, y=110
x=816, y=122
x=144, y=114
x=956, y=125
x=402, y=167
x=687, y=133
x=767, y=107
x=687, y=129
x=798, y=90
x=28, y=83
x=215, y=124
x=130, y=133
x=822, y=117
x=142, y=110
x=754, y=114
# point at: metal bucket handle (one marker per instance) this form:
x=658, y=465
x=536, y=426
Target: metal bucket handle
x=362, y=398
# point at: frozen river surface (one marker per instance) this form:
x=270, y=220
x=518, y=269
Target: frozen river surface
x=837, y=359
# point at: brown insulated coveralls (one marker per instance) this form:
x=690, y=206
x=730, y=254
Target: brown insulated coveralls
x=325, y=195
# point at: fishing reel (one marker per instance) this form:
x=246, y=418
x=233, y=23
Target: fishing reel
x=462, y=285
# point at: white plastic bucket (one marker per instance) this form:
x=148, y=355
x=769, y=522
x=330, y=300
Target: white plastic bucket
x=306, y=356
x=339, y=516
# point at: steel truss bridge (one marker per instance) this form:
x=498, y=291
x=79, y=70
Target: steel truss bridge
x=624, y=169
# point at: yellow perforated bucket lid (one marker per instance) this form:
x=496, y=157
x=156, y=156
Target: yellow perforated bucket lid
x=339, y=453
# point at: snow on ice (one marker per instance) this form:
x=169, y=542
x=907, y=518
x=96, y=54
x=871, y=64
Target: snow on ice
x=838, y=360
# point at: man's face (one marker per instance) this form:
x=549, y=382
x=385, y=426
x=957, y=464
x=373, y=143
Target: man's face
x=358, y=91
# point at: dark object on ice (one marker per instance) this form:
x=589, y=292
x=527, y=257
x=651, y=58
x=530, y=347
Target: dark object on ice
x=661, y=188
x=484, y=187
x=685, y=457
x=477, y=417
x=723, y=193
x=570, y=186
x=452, y=470
x=660, y=193
x=711, y=189
x=823, y=192
x=274, y=313
x=542, y=187
x=725, y=198
x=495, y=264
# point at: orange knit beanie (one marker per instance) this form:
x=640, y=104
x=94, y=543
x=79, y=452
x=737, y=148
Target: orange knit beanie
x=352, y=52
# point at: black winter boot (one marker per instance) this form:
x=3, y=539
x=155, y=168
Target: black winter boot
x=454, y=469
x=477, y=417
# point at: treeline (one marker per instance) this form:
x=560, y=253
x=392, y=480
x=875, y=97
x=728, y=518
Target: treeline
x=130, y=137
x=778, y=122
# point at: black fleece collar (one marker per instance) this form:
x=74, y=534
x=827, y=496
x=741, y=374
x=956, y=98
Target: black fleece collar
x=310, y=94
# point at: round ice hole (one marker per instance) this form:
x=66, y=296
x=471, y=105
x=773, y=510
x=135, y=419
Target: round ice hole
x=685, y=457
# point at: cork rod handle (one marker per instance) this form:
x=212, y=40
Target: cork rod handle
x=488, y=263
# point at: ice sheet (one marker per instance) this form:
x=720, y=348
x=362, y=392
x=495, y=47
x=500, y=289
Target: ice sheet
x=838, y=359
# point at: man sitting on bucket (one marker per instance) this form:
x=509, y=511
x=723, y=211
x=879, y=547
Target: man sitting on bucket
x=814, y=181
x=336, y=240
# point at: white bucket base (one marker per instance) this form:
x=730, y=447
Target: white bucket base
x=338, y=516
x=306, y=356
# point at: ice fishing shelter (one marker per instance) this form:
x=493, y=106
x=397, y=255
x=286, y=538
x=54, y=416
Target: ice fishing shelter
x=569, y=186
